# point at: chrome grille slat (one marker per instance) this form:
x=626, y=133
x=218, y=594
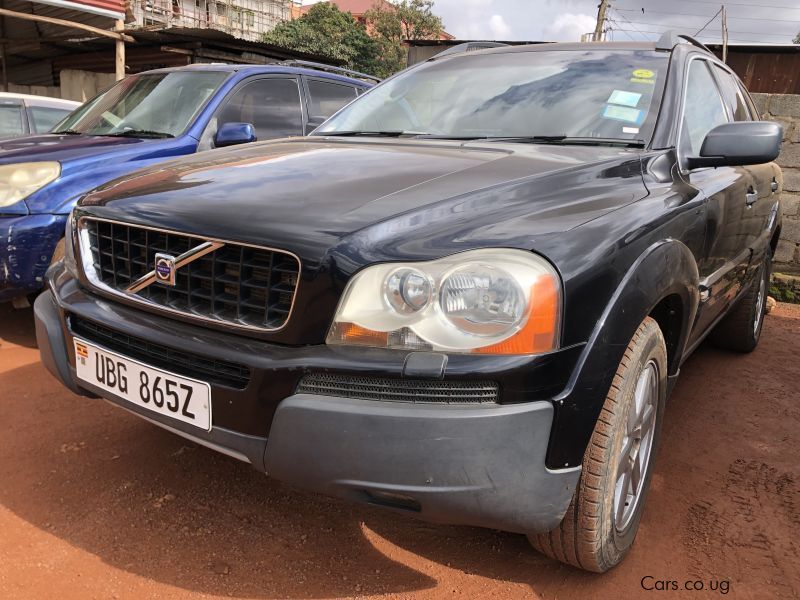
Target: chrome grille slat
x=237, y=284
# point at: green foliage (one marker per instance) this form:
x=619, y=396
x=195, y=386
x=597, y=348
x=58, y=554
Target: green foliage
x=796, y=39
x=392, y=25
x=328, y=32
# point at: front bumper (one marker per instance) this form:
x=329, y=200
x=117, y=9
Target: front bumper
x=480, y=464
x=26, y=250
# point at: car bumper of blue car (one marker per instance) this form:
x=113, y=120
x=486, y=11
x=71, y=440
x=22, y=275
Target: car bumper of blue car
x=27, y=244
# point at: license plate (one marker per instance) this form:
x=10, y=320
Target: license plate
x=165, y=393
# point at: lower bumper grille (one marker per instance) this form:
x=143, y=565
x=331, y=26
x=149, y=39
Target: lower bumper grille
x=400, y=390
x=177, y=361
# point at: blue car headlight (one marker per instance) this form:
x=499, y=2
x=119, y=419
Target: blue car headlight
x=18, y=181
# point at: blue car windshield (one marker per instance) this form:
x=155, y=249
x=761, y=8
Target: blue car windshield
x=588, y=96
x=147, y=105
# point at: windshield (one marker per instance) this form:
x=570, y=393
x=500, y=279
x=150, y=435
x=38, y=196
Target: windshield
x=598, y=94
x=149, y=105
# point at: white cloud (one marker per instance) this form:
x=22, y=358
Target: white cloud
x=568, y=27
x=499, y=28
x=552, y=20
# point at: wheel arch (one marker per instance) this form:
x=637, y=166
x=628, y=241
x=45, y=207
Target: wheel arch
x=663, y=283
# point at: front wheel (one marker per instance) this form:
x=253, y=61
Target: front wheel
x=601, y=522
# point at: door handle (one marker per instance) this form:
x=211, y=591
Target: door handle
x=774, y=185
x=752, y=197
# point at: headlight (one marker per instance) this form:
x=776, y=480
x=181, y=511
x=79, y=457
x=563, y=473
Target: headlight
x=19, y=181
x=481, y=301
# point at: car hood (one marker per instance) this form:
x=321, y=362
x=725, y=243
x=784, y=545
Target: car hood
x=309, y=195
x=62, y=147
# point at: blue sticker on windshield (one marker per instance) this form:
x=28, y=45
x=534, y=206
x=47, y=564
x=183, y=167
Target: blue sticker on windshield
x=624, y=114
x=624, y=98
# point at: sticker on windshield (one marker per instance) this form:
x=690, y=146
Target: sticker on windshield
x=630, y=130
x=624, y=113
x=624, y=98
x=643, y=76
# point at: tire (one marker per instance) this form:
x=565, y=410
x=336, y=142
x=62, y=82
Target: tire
x=740, y=330
x=598, y=529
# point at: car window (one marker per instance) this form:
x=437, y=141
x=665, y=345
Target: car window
x=158, y=104
x=703, y=109
x=732, y=95
x=597, y=93
x=326, y=98
x=271, y=105
x=10, y=120
x=749, y=101
x=45, y=118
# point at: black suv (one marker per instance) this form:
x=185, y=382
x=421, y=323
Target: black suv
x=466, y=296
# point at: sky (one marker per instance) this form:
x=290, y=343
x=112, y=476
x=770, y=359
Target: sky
x=756, y=21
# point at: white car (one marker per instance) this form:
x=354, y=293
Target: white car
x=24, y=114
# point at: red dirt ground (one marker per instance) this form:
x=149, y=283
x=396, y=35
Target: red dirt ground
x=95, y=503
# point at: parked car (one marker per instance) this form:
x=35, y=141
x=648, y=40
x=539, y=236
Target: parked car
x=146, y=119
x=23, y=114
x=465, y=297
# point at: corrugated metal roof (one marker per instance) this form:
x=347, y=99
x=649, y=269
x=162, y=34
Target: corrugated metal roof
x=114, y=9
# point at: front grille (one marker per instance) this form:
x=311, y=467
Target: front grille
x=235, y=284
x=400, y=390
x=176, y=361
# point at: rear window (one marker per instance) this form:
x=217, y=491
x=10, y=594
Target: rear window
x=326, y=98
x=10, y=120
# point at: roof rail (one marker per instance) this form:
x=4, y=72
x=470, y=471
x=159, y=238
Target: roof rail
x=470, y=47
x=330, y=69
x=670, y=38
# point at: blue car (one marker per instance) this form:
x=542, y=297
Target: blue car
x=144, y=119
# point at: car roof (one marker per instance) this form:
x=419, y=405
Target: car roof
x=265, y=69
x=672, y=43
x=42, y=100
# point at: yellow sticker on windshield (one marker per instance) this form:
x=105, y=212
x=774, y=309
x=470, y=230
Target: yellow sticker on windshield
x=643, y=74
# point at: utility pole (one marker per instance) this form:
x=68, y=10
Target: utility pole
x=119, y=52
x=724, y=34
x=601, y=20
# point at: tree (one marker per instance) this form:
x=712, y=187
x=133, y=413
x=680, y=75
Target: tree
x=796, y=39
x=326, y=31
x=393, y=24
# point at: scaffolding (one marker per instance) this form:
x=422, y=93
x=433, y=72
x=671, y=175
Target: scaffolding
x=244, y=19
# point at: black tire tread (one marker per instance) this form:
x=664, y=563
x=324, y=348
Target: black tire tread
x=735, y=331
x=577, y=540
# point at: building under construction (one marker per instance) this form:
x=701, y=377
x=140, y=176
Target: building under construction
x=242, y=19
x=74, y=48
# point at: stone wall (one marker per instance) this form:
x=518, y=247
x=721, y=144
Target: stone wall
x=785, y=109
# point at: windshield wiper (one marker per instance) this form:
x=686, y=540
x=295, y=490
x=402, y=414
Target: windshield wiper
x=140, y=133
x=371, y=133
x=568, y=140
x=67, y=132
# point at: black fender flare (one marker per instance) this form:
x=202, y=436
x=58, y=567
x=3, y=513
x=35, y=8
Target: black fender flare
x=664, y=269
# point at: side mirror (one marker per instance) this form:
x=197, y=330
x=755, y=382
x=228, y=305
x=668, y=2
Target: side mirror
x=740, y=143
x=230, y=134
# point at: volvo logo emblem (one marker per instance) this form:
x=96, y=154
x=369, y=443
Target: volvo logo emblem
x=165, y=268
x=166, y=265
